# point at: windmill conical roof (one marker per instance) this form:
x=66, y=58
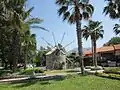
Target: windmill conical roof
x=54, y=50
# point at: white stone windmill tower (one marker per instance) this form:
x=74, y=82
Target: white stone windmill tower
x=56, y=57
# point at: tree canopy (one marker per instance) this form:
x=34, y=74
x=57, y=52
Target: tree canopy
x=17, y=44
x=113, y=41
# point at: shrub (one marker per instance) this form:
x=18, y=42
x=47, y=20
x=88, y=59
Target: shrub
x=113, y=76
x=5, y=72
x=97, y=73
x=38, y=70
x=30, y=71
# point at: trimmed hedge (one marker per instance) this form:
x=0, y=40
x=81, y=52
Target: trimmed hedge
x=112, y=70
x=111, y=76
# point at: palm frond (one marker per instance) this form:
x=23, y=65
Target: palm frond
x=112, y=9
x=113, y=14
x=39, y=27
x=33, y=21
x=85, y=15
x=97, y=24
x=85, y=27
x=62, y=10
x=100, y=28
x=106, y=10
x=71, y=19
x=81, y=5
x=61, y=2
x=66, y=15
x=33, y=36
x=86, y=32
x=27, y=13
x=116, y=29
x=99, y=36
x=90, y=9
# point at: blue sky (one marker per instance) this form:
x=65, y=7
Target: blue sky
x=47, y=10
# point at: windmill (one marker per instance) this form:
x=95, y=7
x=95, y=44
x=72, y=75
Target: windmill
x=56, y=57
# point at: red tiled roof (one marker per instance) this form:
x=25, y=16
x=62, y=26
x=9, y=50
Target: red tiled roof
x=103, y=49
x=106, y=49
x=88, y=53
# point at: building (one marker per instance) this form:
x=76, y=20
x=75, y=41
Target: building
x=56, y=59
x=106, y=56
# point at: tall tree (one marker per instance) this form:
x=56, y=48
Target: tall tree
x=28, y=46
x=94, y=30
x=74, y=11
x=15, y=22
x=28, y=39
x=10, y=15
x=112, y=9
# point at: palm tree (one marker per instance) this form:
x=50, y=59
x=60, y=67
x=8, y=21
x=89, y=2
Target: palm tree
x=112, y=9
x=29, y=40
x=94, y=30
x=28, y=46
x=117, y=29
x=74, y=11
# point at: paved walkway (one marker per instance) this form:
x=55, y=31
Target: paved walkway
x=47, y=76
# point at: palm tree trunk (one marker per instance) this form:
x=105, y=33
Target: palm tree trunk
x=114, y=52
x=95, y=59
x=92, y=45
x=25, y=60
x=3, y=56
x=80, y=48
x=16, y=43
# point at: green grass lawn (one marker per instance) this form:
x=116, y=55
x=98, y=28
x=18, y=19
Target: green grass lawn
x=73, y=83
